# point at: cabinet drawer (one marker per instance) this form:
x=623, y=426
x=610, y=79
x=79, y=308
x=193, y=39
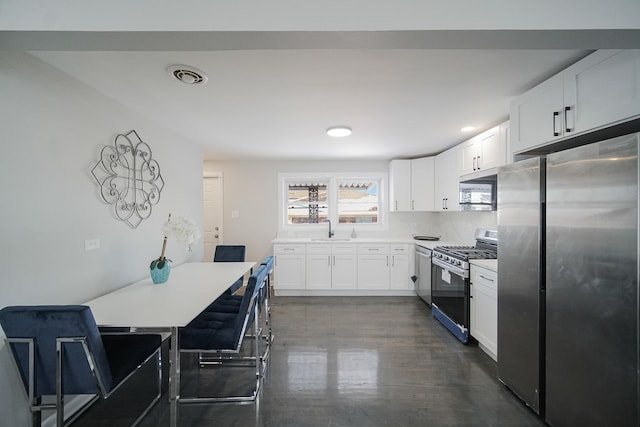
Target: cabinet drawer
x=319, y=248
x=344, y=249
x=373, y=249
x=485, y=280
x=398, y=249
x=288, y=249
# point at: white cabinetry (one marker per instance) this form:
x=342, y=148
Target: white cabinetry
x=289, y=266
x=373, y=266
x=383, y=267
x=446, y=181
x=422, y=171
x=327, y=267
x=331, y=266
x=399, y=267
x=600, y=90
x=400, y=185
x=411, y=184
x=484, y=309
x=484, y=151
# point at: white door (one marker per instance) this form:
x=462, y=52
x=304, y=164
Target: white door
x=212, y=214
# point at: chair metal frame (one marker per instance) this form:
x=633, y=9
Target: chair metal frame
x=35, y=405
x=231, y=357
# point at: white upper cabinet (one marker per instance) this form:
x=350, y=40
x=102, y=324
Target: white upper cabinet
x=598, y=91
x=400, y=185
x=411, y=185
x=447, y=180
x=602, y=89
x=482, y=152
x=422, y=171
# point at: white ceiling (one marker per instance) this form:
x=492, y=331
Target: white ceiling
x=273, y=103
x=405, y=75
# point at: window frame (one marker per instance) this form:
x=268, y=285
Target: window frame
x=333, y=180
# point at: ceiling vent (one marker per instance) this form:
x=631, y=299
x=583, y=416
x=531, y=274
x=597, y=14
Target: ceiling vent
x=188, y=75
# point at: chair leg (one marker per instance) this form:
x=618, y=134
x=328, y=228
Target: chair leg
x=159, y=394
x=59, y=385
x=36, y=412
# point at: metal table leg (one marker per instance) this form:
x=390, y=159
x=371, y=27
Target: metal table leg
x=174, y=378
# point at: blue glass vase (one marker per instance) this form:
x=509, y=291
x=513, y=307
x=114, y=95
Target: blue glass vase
x=160, y=275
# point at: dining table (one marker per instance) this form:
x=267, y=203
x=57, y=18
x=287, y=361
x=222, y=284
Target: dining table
x=167, y=307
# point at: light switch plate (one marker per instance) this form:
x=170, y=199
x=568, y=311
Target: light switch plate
x=235, y=214
x=91, y=244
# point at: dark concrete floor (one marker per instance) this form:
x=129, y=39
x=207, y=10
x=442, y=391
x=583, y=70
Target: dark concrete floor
x=349, y=361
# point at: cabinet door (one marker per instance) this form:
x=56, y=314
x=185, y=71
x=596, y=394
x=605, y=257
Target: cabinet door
x=289, y=271
x=470, y=150
x=484, y=326
x=373, y=271
x=345, y=271
x=422, y=173
x=400, y=185
x=492, y=150
x=536, y=116
x=399, y=272
x=602, y=89
x=318, y=271
x=447, y=180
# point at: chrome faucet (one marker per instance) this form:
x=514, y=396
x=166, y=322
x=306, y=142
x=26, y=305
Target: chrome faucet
x=331, y=233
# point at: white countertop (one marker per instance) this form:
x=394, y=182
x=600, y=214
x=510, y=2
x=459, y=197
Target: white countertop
x=343, y=240
x=491, y=264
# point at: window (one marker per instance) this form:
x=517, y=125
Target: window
x=310, y=200
x=307, y=202
x=358, y=202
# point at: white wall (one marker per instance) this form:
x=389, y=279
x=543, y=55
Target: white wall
x=53, y=128
x=251, y=188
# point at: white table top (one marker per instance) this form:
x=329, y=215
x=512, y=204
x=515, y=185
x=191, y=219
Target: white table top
x=190, y=289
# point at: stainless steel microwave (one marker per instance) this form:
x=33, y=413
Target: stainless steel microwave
x=479, y=194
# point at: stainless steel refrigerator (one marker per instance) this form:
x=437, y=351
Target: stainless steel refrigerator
x=568, y=308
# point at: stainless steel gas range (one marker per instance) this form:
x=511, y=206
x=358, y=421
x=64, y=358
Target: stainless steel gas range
x=450, y=280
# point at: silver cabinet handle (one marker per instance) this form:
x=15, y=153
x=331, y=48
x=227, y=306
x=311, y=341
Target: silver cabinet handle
x=486, y=278
x=413, y=205
x=478, y=162
x=566, y=119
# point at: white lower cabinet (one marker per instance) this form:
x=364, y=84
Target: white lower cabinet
x=400, y=266
x=331, y=266
x=383, y=267
x=289, y=266
x=322, y=267
x=484, y=309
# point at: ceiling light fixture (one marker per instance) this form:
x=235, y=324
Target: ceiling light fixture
x=188, y=74
x=468, y=129
x=339, y=131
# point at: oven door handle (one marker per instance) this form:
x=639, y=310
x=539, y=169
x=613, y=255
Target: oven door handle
x=451, y=269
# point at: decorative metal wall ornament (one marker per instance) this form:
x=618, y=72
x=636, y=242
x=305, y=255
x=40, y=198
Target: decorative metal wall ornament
x=129, y=178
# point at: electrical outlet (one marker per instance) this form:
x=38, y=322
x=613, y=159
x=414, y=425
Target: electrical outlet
x=91, y=244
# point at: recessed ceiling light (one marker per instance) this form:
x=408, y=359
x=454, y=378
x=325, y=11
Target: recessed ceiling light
x=188, y=74
x=468, y=129
x=339, y=131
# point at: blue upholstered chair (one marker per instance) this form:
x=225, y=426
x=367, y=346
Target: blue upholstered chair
x=59, y=351
x=230, y=253
x=266, y=298
x=222, y=334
